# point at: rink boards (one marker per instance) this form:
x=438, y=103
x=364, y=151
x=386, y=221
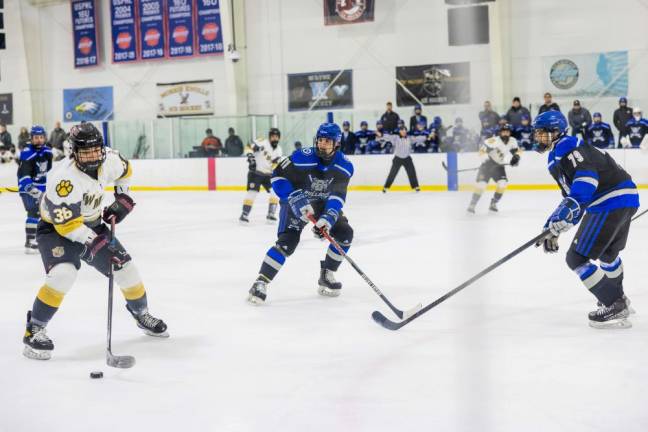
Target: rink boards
x=229, y=174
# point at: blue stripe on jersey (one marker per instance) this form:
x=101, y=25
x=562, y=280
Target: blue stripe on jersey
x=334, y=202
x=584, y=173
x=601, y=221
x=582, y=240
x=282, y=187
x=582, y=192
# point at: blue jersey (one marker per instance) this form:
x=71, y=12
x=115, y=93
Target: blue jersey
x=591, y=177
x=419, y=139
x=600, y=135
x=324, y=184
x=365, y=137
x=35, y=162
x=524, y=136
x=636, y=130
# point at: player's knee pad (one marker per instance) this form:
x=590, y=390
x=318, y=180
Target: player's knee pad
x=575, y=260
x=501, y=186
x=127, y=276
x=480, y=188
x=287, y=243
x=344, y=234
x=61, y=277
x=250, y=197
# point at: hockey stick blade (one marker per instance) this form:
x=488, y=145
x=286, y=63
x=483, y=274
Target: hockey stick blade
x=120, y=362
x=444, y=165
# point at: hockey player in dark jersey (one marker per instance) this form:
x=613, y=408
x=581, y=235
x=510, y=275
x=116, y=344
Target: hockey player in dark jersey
x=365, y=137
x=419, y=138
x=599, y=134
x=636, y=131
x=524, y=133
x=600, y=195
x=311, y=182
x=35, y=162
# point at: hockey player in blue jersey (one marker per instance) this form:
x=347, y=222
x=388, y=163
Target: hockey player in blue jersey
x=365, y=137
x=311, y=182
x=419, y=138
x=636, y=131
x=35, y=162
x=524, y=133
x=599, y=134
x=601, y=196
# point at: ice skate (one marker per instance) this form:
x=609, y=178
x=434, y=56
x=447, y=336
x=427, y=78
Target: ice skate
x=149, y=324
x=328, y=286
x=271, y=218
x=38, y=346
x=493, y=207
x=31, y=247
x=471, y=209
x=244, y=220
x=257, y=294
x=609, y=317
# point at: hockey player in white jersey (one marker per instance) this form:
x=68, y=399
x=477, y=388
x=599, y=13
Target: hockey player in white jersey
x=72, y=230
x=496, y=152
x=263, y=156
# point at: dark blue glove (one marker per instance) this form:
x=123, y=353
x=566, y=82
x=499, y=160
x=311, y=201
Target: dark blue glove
x=299, y=204
x=564, y=217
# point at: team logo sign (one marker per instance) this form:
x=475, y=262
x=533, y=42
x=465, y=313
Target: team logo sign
x=85, y=45
x=350, y=10
x=58, y=252
x=124, y=40
x=180, y=34
x=564, y=74
x=210, y=31
x=433, y=80
x=64, y=188
x=152, y=37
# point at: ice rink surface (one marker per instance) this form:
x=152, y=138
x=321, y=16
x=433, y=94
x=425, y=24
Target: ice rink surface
x=513, y=352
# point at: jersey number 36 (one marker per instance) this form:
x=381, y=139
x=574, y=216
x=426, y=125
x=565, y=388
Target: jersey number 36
x=62, y=214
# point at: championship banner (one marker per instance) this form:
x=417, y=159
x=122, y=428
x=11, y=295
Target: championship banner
x=306, y=89
x=88, y=104
x=151, y=29
x=348, y=11
x=185, y=98
x=6, y=108
x=84, y=30
x=180, y=31
x=587, y=75
x=124, y=33
x=435, y=84
x=209, y=31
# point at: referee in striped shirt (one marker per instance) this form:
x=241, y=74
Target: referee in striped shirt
x=402, y=158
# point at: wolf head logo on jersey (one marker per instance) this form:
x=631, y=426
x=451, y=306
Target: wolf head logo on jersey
x=598, y=135
x=319, y=185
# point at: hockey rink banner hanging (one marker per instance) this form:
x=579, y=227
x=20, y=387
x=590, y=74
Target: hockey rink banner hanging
x=6, y=108
x=123, y=30
x=587, y=75
x=433, y=84
x=84, y=31
x=320, y=90
x=88, y=104
x=185, y=98
x=180, y=29
x=348, y=11
x=208, y=27
x=151, y=29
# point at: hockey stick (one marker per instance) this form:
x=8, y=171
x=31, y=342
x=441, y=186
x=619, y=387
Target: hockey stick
x=8, y=189
x=445, y=166
x=391, y=325
x=399, y=313
x=125, y=361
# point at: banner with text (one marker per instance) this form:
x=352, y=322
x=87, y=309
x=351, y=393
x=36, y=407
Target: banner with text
x=151, y=29
x=433, y=84
x=84, y=30
x=6, y=108
x=185, y=98
x=587, y=75
x=348, y=11
x=315, y=89
x=88, y=104
x=124, y=30
x=208, y=27
x=180, y=29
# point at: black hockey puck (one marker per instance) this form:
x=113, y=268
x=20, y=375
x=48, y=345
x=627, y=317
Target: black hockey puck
x=96, y=375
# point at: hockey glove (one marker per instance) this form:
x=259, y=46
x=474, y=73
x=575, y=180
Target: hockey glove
x=100, y=245
x=33, y=191
x=251, y=162
x=515, y=160
x=564, y=217
x=549, y=244
x=299, y=204
x=122, y=206
x=324, y=224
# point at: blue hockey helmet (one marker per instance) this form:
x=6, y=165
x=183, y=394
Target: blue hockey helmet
x=623, y=100
x=548, y=127
x=597, y=114
x=37, y=130
x=329, y=131
x=346, y=123
x=364, y=123
x=417, y=107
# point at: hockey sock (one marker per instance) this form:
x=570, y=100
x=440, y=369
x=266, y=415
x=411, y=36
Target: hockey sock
x=30, y=228
x=497, y=196
x=475, y=199
x=333, y=258
x=595, y=279
x=272, y=208
x=45, y=305
x=132, y=288
x=272, y=263
x=614, y=271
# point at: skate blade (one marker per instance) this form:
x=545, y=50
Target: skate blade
x=30, y=251
x=164, y=334
x=270, y=221
x=327, y=292
x=612, y=324
x=244, y=223
x=33, y=354
x=255, y=301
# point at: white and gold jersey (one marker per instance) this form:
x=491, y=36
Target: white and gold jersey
x=266, y=157
x=73, y=199
x=496, y=150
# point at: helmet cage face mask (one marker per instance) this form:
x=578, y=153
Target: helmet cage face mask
x=545, y=139
x=89, y=158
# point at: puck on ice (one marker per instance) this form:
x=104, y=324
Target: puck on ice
x=96, y=375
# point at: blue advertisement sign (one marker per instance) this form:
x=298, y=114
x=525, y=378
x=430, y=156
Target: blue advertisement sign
x=88, y=104
x=84, y=30
x=151, y=29
x=124, y=36
x=180, y=29
x=208, y=27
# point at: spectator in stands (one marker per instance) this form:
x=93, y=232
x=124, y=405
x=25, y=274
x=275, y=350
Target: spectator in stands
x=437, y=124
x=579, y=119
x=233, y=144
x=366, y=137
x=622, y=115
x=460, y=136
x=348, y=141
x=57, y=137
x=599, y=134
x=419, y=138
x=298, y=145
x=23, y=138
x=488, y=119
x=524, y=134
x=417, y=118
x=516, y=112
x=5, y=138
x=389, y=119
x=211, y=144
x=549, y=104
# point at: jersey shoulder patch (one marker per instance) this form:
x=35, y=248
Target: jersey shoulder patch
x=305, y=156
x=64, y=188
x=566, y=145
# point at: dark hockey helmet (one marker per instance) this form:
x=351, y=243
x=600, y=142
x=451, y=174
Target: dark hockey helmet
x=327, y=133
x=548, y=128
x=88, y=148
x=38, y=135
x=274, y=131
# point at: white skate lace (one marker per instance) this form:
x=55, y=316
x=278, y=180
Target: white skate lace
x=147, y=320
x=328, y=275
x=40, y=334
x=603, y=310
x=259, y=287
